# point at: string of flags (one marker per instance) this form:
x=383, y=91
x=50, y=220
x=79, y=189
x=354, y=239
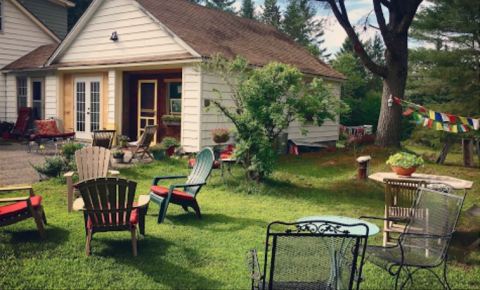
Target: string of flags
x=436, y=120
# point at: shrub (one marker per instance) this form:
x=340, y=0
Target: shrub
x=405, y=160
x=220, y=135
x=122, y=140
x=53, y=167
x=168, y=142
x=69, y=149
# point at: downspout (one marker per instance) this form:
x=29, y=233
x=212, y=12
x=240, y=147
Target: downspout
x=5, y=95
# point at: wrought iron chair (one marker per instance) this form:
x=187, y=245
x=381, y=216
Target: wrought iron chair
x=187, y=198
x=426, y=249
x=142, y=145
x=310, y=255
x=109, y=207
x=103, y=138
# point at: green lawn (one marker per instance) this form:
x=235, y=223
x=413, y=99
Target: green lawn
x=185, y=252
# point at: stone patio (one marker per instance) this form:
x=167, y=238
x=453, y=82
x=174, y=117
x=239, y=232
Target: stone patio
x=15, y=164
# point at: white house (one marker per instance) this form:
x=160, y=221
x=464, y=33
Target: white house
x=127, y=63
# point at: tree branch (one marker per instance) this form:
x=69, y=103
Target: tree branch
x=382, y=24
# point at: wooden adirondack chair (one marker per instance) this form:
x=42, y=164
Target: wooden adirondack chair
x=103, y=138
x=21, y=208
x=142, y=145
x=92, y=162
x=187, y=198
x=109, y=207
x=24, y=120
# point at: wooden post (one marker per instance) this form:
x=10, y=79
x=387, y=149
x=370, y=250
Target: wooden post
x=445, y=150
x=467, y=146
x=363, y=162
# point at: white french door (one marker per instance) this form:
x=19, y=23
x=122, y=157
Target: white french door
x=87, y=106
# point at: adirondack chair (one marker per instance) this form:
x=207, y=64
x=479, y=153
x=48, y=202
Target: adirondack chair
x=47, y=130
x=187, y=198
x=142, y=145
x=92, y=162
x=103, y=138
x=109, y=207
x=24, y=119
x=21, y=208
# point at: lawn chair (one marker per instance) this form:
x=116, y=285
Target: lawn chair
x=142, y=145
x=109, y=207
x=47, y=131
x=188, y=197
x=399, y=197
x=103, y=138
x=313, y=255
x=24, y=120
x=425, y=250
x=21, y=208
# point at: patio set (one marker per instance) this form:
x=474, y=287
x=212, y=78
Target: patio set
x=317, y=252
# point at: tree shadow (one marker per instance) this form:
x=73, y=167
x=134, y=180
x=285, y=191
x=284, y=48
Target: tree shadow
x=212, y=222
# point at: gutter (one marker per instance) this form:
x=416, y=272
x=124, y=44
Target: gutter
x=5, y=94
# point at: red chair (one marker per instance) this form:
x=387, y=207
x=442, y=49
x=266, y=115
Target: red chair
x=47, y=130
x=21, y=208
x=23, y=121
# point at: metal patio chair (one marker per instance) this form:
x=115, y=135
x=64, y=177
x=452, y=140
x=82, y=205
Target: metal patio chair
x=425, y=241
x=187, y=198
x=103, y=138
x=310, y=255
x=142, y=145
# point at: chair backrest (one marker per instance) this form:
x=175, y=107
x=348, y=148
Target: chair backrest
x=108, y=201
x=23, y=121
x=47, y=127
x=201, y=170
x=92, y=162
x=103, y=138
x=442, y=211
x=147, y=137
x=314, y=255
x=400, y=195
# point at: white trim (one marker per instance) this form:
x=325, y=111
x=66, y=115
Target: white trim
x=87, y=134
x=141, y=65
x=68, y=40
x=2, y=16
x=64, y=3
x=35, y=20
x=170, y=32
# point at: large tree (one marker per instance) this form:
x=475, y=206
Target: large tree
x=247, y=9
x=394, y=18
x=271, y=13
x=225, y=5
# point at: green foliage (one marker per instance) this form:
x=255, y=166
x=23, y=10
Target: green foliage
x=53, y=167
x=220, y=135
x=168, y=142
x=118, y=153
x=405, y=160
x=122, y=140
x=267, y=100
x=69, y=149
x=225, y=5
x=271, y=13
x=76, y=12
x=172, y=118
x=247, y=10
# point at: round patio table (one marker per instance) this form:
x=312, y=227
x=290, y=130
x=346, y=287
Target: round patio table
x=335, y=253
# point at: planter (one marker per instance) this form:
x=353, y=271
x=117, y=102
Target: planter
x=171, y=123
x=170, y=151
x=404, y=171
x=159, y=154
x=118, y=159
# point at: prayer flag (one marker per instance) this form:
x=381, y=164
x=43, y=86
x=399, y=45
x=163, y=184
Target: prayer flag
x=445, y=118
x=408, y=112
x=463, y=120
x=476, y=124
x=431, y=115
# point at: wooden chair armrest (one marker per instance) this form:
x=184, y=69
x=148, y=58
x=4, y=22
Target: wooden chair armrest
x=14, y=199
x=69, y=174
x=15, y=188
x=113, y=172
x=143, y=200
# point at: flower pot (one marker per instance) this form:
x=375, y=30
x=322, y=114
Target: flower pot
x=171, y=123
x=159, y=155
x=170, y=151
x=404, y=171
x=220, y=138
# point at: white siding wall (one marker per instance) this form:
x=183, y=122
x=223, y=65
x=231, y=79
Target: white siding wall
x=211, y=118
x=139, y=35
x=191, y=108
x=112, y=75
x=51, y=94
x=20, y=36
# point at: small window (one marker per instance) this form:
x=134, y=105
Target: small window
x=175, y=97
x=22, y=89
x=38, y=102
x=1, y=15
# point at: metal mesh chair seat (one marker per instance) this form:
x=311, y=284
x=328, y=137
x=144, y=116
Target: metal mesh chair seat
x=388, y=257
x=297, y=285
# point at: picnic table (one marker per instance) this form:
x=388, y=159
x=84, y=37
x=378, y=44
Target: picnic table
x=455, y=183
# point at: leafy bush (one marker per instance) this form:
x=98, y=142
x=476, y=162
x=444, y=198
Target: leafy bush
x=122, y=140
x=220, y=135
x=168, y=142
x=69, y=149
x=405, y=160
x=118, y=153
x=53, y=167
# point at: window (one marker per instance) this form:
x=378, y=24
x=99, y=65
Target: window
x=38, y=103
x=1, y=15
x=22, y=89
x=175, y=97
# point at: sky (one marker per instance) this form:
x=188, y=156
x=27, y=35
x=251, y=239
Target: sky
x=334, y=36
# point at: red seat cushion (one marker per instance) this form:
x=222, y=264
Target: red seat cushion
x=163, y=192
x=47, y=127
x=21, y=206
x=133, y=219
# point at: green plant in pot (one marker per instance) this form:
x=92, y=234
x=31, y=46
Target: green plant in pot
x=158, y=151
x=172, y=120
x=169, y=143
x=118, y=155
x=405, y=164
x=122, y=141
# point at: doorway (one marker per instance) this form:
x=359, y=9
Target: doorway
x=87, y=106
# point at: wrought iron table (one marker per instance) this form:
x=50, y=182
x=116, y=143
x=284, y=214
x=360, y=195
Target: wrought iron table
x=337, y=254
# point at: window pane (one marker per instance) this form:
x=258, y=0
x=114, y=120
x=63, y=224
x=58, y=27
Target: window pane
x=80, y=104
x=37, y=99
x=147, y=96
x=21, y=92
x=94, y=106
x=175, y=90
x=37, y=91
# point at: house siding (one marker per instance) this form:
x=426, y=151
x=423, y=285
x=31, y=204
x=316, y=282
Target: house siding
x=19, y=37
x=211, y=118
x=191, y=108
x=52, y=15
x=139, y=35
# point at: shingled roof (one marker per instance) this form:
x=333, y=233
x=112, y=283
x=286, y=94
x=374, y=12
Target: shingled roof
x=210, y=31
x=33, y=60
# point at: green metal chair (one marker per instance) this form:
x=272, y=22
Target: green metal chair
x=163, y=195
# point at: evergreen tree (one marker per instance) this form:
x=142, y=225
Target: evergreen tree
x=248, y=9
x=225, y=5
x=76, y=12
x=271, y=13
x=300, y=24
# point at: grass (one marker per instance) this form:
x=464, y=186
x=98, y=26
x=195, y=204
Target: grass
x=185, y=252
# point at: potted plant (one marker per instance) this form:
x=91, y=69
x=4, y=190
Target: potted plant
x=220, y=135
x=118, y=155
x=172, y=120
x=123, y=141
x=158, y=151
x=405, y=164
x=169, y=143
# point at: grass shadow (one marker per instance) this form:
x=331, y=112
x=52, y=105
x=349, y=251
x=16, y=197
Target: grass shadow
x=211, y=222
